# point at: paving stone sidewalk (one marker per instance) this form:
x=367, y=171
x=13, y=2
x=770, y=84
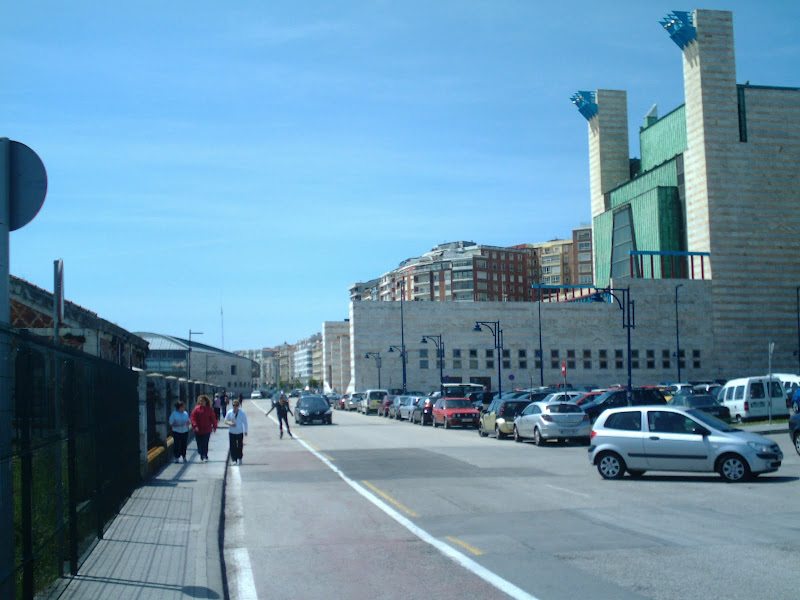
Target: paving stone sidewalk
x=164, y=544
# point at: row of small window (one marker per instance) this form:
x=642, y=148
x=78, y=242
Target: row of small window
x=511, y=255
x=651, y=354
x=482, y=264
x=603, y=361
x=587, y=365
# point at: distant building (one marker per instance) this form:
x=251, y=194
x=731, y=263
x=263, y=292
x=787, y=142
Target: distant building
x=82, y=329
x=170, y=355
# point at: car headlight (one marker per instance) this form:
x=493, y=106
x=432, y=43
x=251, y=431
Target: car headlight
x=304, y=412
x=327, y=412
x=758, y=447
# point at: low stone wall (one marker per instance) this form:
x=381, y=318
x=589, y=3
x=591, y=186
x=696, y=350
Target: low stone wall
x=157, y=397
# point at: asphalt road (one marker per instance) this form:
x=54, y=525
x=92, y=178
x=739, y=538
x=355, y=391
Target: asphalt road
x=375, y=508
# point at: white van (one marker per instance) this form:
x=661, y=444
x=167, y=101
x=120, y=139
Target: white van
x=746, y=398
x=789, y=382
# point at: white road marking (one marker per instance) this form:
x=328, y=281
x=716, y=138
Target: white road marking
x=237, y=560
x=462, y=559
x=560, y=489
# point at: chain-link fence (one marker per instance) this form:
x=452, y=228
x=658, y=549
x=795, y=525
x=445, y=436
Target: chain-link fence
x=74, y=457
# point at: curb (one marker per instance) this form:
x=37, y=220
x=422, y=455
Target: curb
x=221, y=531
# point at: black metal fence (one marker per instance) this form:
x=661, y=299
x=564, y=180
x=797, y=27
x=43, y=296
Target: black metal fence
x=74, y=457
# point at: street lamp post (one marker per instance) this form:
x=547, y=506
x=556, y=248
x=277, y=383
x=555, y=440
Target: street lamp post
x=626, y=305
x=541, y=357
x=403, y=330
x=189, y=354
x=677, y=334
x=437, y=339
x=403, y=358
x=377, y=357
x=494, y=327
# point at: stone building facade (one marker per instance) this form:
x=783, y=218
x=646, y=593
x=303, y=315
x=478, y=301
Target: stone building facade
x=587, y=336
x=718, y=176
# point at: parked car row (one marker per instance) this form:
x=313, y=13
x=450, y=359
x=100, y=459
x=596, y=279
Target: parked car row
x=689, y=434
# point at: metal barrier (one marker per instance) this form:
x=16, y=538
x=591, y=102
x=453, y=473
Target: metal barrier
x=74, y=457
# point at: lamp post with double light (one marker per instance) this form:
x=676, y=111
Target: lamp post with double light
x=377, y=357
x=403, y=359
x=437, y=339
x=494, y=327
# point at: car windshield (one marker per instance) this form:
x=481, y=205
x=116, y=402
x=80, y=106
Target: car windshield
x=707, y=419
x=458, y=404
x=314, y=402
x=564, y=408
x=357, y=396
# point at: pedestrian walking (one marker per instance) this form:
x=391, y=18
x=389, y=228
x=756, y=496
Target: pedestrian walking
x=179, y=421
x=236, y=420
x=217, y=405
x=283, y=408
x=224, y=403
x=204, y=422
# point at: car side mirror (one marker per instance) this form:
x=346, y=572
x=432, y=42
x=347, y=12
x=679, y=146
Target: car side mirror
x=701, y=431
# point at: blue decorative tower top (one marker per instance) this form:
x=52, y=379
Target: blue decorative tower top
x=586, y=103
x=680, y=28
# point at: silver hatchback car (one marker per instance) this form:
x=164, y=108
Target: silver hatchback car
x=662, y=438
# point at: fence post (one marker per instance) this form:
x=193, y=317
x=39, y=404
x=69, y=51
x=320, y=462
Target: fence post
x=142, y=389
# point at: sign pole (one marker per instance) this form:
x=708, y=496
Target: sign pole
x=7, y=579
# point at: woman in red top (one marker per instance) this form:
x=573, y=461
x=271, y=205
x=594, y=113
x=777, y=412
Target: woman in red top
x=204, y=421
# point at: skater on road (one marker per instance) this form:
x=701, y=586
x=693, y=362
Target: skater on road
x=237, y=429
x=283, y=408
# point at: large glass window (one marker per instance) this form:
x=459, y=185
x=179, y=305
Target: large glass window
x=622, y=243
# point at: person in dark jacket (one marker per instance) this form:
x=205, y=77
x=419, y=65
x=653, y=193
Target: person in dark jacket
x=204, y=422
x=283, y=408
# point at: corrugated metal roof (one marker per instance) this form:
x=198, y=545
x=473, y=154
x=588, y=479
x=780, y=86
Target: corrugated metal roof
x=159, y=341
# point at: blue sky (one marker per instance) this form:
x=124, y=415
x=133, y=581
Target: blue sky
x=263, y=156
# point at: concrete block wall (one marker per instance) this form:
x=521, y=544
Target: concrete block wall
x=569, y=331
x=163, y=392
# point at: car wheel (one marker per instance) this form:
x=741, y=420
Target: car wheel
x=537, y=437
x=481, y=432
x=610, y=465
x=446, y=423
x=517, y=436
x=733, y=467
x=635, y=473
x=500, y=435
x=797, y=442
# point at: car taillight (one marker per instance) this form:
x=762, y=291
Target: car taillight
x=746, y=406
x=591, y=435
x=547, y=418
x=585, y=418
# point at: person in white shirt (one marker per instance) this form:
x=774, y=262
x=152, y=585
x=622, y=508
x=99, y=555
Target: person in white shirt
x=179, y=421
x=237, y=429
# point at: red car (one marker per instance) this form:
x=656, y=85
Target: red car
x=383, y=409
x=455, y=411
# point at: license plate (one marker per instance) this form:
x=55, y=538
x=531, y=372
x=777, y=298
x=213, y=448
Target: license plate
x=317, y=420
x=566, y=431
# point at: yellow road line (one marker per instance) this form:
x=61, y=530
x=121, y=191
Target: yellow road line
x=464, y=545
x=388, y=498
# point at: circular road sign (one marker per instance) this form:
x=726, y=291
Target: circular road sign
x=27, y=185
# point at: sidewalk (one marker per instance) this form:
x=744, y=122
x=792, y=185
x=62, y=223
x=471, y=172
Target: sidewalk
x=164, y=543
